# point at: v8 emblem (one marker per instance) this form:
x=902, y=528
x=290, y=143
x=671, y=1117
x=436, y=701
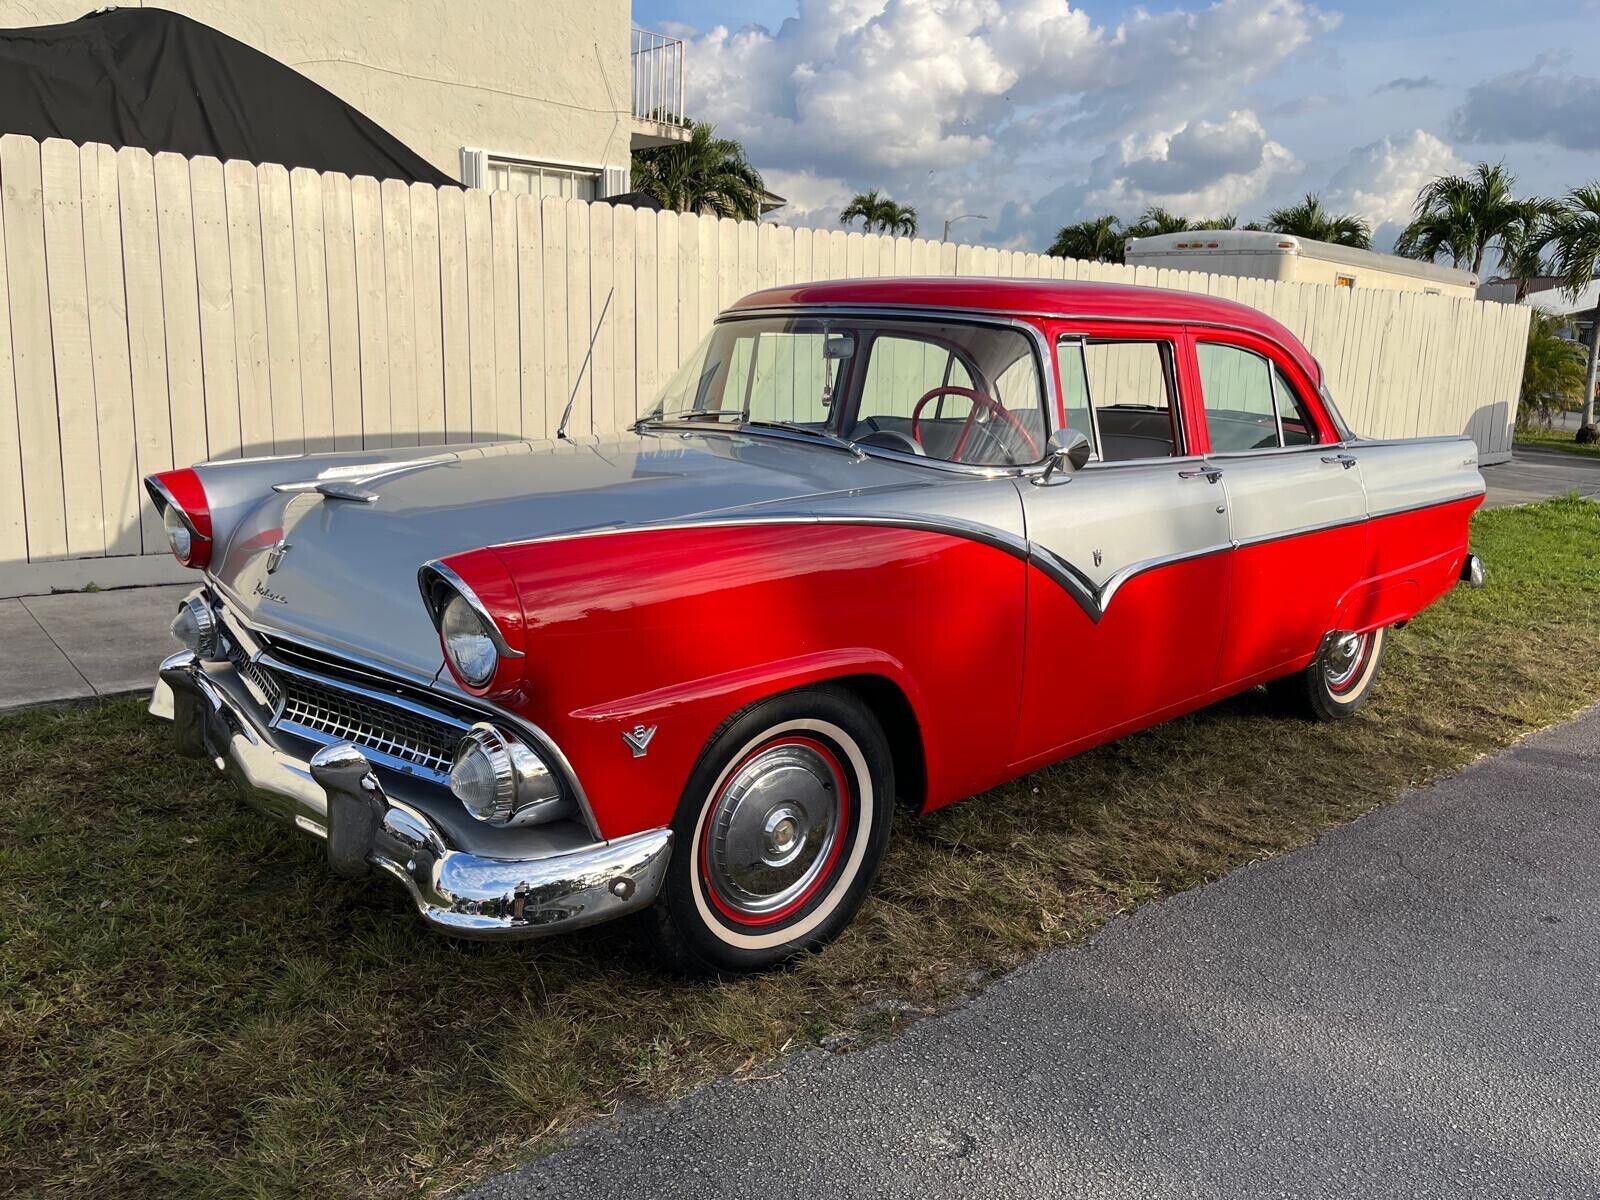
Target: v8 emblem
x=638, y=739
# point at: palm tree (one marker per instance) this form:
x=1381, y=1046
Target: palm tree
x=706, y=174
x=1226, y=221
x=1523, y=245
x=1552, y=373
x=878, y=212
x=1461, y=216
x=1097, y=240
x=1156, y=220
x=1575, y=236
x=1309, y=219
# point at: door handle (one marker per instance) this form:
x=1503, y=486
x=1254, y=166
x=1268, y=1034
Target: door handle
x=1344, y=460
x=1211, y=473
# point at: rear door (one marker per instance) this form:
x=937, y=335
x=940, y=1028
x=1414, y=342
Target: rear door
x=1296, y=506
x=1126, y=607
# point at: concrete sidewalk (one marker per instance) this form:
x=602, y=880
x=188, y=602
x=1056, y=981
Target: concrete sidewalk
x=80, y=645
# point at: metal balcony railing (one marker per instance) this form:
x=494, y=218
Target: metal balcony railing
x=657, y=77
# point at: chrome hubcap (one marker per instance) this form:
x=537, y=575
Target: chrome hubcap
x=1344, y=658
x=773, y=829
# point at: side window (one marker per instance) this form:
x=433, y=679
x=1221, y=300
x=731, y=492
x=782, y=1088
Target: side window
x=1250, y=404
x=1298, y=427
x=1119, y=394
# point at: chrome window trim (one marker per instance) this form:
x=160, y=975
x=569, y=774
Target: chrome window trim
x=439, y=682
x=434, y=571
x=1039, y=314
x=913, y=312
x=1168, y=351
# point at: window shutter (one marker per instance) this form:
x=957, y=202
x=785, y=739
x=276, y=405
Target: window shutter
x=474, y=168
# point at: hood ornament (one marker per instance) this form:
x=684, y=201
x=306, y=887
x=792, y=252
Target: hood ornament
x=275, y=555
x=638, y=739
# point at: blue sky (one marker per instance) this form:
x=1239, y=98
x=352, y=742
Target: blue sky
x=1039, y=112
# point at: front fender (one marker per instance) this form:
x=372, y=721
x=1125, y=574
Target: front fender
x=673, y=630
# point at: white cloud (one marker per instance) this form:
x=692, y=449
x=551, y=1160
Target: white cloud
x=1204, y=168
x=992, y=104
x=1380, y=182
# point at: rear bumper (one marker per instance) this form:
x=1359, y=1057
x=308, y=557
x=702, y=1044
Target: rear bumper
x=337, y=795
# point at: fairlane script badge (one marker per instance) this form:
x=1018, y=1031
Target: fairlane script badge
x=267, y=593
x=638, y=739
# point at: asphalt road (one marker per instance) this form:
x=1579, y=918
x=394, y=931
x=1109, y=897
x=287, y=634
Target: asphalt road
x=1408, y=1008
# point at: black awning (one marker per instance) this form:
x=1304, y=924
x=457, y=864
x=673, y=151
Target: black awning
x=151, y=78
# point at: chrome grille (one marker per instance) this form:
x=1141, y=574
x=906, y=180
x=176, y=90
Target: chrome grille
x=389, y=729
x=265, y=685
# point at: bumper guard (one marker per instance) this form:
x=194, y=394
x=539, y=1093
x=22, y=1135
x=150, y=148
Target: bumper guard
x=339, y=797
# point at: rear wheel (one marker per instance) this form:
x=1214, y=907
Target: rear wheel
x=778, y=836
x=1338, y=681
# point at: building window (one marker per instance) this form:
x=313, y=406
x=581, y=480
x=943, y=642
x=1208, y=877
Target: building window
x=1348, y=281
x=505, y=173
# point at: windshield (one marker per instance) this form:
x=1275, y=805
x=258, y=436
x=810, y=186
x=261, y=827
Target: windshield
x=959, y=391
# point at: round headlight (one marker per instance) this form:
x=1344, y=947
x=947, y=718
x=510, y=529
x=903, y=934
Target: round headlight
x=178, y=535
x=468, y=643
x=195, y=627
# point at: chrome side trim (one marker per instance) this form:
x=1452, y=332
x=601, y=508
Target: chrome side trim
x=1408, y=508
x=1096, y=600
x=434, y=571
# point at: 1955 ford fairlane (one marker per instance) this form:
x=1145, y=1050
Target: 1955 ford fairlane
x=878, y=540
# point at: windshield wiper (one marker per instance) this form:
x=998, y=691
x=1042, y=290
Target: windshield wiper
x=670, y=415
x=826, y=435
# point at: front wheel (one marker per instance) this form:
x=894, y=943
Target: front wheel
x=1338, y=681
x=778, y=836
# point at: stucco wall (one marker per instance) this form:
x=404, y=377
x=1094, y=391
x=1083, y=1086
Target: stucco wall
x=542, y=79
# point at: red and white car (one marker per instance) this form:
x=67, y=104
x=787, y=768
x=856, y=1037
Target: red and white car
x=881, y=541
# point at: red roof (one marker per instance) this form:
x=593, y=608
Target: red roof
x=1037, y=297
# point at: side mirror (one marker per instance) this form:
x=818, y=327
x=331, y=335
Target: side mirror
x=1067, y=449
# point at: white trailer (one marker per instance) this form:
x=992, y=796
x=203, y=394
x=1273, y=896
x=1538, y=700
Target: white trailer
x=1282, y=256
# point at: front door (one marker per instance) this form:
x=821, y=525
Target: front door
x=1128, y=594
x=1296, y=507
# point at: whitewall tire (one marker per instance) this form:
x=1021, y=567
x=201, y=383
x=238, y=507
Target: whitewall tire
x=779, y=834
x=1339, y=680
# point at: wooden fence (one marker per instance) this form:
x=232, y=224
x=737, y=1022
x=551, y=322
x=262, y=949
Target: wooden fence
x=157, y=310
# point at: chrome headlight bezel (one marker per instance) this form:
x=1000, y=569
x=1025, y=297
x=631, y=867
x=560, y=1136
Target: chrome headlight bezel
x=523, y=791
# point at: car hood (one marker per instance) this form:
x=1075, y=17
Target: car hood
x=347, y=579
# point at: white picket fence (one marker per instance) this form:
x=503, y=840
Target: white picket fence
x=157, y=310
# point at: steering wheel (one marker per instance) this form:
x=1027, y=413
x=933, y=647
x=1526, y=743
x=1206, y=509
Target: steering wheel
x=979, y=400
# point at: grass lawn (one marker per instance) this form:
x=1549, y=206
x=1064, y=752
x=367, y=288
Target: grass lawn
x=1555, y=439
x=193, y=1006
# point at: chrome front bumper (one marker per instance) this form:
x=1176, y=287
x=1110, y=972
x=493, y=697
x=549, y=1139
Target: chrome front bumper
x=337, y=795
